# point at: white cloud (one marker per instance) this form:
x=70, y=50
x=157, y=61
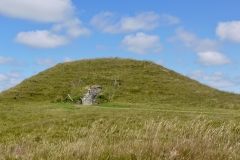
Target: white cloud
x=10, y=61
x=41, y=39
x=104, y=21
x=141, y=43
x=216, y=76
x=67, y=59
x=38, y=10
x=46, y=62
x=192, y=42
x=160, y=62
x=229, y=31
x=196, y=74
x=72, y=28
x=220, y=84
x=216, y=79
x=51, y=38
x=108, y=22
x=206, y=45
x=212, y=58
x=59, y=12
x=206, y=48
x=10, y=79
x=3, y=77
x=168, y=19
x=144, y=21
x=7, y=60
x=14, y=74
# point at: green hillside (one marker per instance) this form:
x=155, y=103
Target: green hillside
x=146, y=112
x=124, y=81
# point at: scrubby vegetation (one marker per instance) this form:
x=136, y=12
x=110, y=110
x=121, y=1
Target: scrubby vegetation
x=146, y=112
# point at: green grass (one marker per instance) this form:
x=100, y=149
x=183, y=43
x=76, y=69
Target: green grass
x=146, y=112
x=67, y=131
x=124, y=81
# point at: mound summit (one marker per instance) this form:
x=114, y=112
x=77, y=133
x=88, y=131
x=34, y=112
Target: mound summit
x=123, y=81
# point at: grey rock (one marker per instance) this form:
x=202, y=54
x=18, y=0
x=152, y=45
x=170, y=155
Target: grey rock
x=90, y=97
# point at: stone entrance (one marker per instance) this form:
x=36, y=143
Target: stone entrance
x=90, y=97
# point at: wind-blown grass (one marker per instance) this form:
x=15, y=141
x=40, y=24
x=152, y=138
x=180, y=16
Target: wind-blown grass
x=62, y=131
x=146, y=112
x=162, y=139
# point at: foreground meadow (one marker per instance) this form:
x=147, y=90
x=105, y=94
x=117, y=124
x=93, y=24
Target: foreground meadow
x=67, y=131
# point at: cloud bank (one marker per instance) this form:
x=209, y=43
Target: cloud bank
x=216, y=79
x=10, y=79
x=141, y=43
x=7, y=60
x=212, y=58
x=229, y=31
x=109, y=22
x=38, y=10
x=191, y=41
x=10, y=61
x=45, y=62
x=41, y=39
x=58, y=12
x=207, y=49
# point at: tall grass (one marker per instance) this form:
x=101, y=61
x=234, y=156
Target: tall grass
x=151, y=113
x=198, y=138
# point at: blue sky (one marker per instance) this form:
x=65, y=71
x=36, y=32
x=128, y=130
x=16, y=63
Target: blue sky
x=199, y=39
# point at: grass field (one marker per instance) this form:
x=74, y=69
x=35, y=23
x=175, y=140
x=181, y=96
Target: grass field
x=146, y=112
x=69, y=131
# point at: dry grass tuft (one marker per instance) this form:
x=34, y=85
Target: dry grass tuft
x=161, y=139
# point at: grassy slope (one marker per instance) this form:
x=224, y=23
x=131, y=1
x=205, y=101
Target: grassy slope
x=137, y=83
x=153, y=113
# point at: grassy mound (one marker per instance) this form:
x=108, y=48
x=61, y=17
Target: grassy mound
x=124, y=82
x=147, y=112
